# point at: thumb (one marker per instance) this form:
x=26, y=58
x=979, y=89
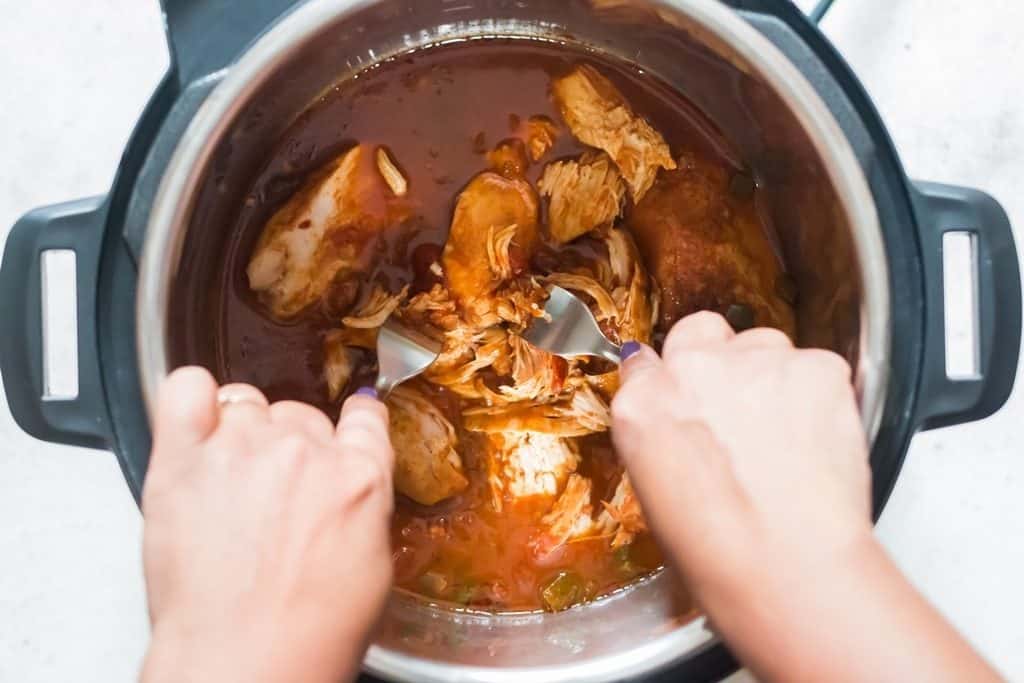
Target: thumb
x=363, y=429
x=640, y=409
x=186, y=411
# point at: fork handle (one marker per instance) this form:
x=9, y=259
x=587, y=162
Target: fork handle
x=610, y=351
x=384, y=385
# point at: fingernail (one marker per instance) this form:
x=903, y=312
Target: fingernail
x=630, y=348
x=366, y=391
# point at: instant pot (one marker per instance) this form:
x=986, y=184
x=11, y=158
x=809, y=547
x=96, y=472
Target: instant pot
x=862, y=241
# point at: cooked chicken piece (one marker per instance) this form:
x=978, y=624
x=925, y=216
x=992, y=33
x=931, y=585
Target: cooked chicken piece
x=570, y=517
x=599, y=116
x=520, y=301
x=707, y=250
x=320, y=235
x=635, y=295
x=427, y=467
x=375, y=308
x=602, y=303
x=464, y=353
x=433, y=308
x=622, y=516
x=585, y=194
x=489, y=201
x=522, y=465
x=583, y=413
x=391, y=173
x=606, y=384
x=540, y=134
x=338, y=364
x=536, y=375
x=499, y=256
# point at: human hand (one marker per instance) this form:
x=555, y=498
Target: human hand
x=266, y=545
x=742, y=449
x=751, y=464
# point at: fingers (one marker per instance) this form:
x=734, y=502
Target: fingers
x=641, y=404
x=186, y=411
x=697, y=331
x=242, y=405
x=293, y=415
x=762, y=338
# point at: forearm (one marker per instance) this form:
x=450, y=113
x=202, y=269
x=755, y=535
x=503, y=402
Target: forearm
x=180, y=656
x=854, y=618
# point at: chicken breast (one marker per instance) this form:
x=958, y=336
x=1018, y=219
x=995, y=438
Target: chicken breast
x=707, y=250
x=599, y=116
x=427, y=467
x=522, y=465
x=490, y=204
x=585, y=194
x=319, y=236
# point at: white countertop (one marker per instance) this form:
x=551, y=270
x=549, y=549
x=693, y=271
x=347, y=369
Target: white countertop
x=947, y=78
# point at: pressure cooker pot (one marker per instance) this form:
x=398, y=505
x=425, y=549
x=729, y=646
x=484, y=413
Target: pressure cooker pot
x=862, y=243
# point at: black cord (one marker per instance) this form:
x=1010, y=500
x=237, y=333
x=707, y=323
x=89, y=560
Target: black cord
x=819, y=12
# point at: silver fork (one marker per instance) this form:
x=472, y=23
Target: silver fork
x=402, y=353
x=569, y=329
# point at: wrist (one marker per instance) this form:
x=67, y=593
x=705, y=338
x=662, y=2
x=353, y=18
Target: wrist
x=262, y=651
x=789, y=604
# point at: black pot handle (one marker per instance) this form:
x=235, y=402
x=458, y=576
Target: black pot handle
x=78, y=421
x=207, y=35
x=944, y=401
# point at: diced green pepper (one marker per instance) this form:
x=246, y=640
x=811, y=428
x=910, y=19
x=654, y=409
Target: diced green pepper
x=433, y=584
x=564, y=591
x=464, y=593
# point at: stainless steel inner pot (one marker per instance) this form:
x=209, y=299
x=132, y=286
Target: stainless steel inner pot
x=817, y=195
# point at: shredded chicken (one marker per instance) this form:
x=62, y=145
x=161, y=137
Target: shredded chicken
x=427, y=467
x=498, y=243
x=372, y=312
x=433, y=308
x=583, y=413
x=540, y=134
x=571, y=516
x=585, y=194
x=319, y=235
x=604, y=306
x=622, y=516
x=389, y=171
x=599, y=116
x=488, y=201
x=536, y=375
x=464, y=353
x=524, y=465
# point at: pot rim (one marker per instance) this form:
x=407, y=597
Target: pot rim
x=169, y=215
